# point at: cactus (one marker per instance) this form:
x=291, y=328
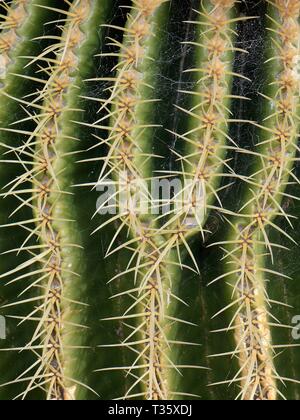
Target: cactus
x=149, y=200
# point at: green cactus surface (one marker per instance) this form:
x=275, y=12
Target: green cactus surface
x=149, y=200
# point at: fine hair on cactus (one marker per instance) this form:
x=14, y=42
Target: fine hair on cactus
x=149, y=200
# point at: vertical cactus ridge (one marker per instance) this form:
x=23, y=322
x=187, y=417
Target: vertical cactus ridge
x=48, y=177
x=13, y=62
x=207, y=140
x=48, y=148
x=129, y=162
x=202, y=162
x=128, y=165
x=249, y=248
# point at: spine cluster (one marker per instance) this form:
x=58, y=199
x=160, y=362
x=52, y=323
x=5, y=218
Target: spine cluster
x=14, y=17
x=206, y=142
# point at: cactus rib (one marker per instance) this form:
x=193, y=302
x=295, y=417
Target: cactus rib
x=130, y=157
x=149, y=199
x=129, y=163
x=206, y=141
x=249, y=245
x=49, y=146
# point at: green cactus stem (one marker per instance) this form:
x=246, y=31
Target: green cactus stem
x=22, y=21
x=109, y=287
